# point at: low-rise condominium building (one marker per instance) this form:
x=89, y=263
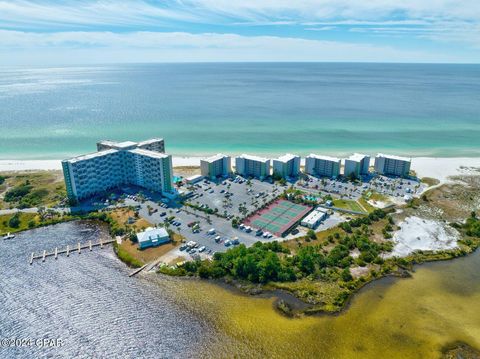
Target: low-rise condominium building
x=356, y=165
x=121, y=164
x=216, y=166
x=392, y=165
x=252, y=166
x=286, y=166
x=322, y=166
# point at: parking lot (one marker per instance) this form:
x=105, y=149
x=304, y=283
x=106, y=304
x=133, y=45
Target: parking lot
x=183, y=216
x=233, y=198
x=389, y=186
x=239, y=197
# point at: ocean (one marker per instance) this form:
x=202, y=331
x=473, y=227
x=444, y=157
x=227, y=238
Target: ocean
x=257, y=108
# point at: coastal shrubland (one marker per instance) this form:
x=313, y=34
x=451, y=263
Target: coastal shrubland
x=325, y=268
x=31, y=189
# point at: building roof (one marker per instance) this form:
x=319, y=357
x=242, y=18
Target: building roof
x=214, y=158
x=151, y=234
x=314, y=216
x=287, y=157
x=89, y=156
x=125, y=144
x=253, y=158
x=393, y=157
x=118, y=145
x=357, y=157
x=148, y=153
x=194, y=178
x=147, y=142
x=326, y=158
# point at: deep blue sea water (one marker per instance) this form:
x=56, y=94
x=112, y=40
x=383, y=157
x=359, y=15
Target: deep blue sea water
x=262, y=108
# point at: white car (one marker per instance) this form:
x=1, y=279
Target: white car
x=201, y=249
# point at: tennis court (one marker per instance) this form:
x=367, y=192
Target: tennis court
x=278, y=217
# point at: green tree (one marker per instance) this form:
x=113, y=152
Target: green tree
x=346, y=276
x=14, y=221
x=311, y=234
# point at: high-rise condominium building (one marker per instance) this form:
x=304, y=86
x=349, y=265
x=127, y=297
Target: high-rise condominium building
x=116, y=164
x=323, y=166
x=356, y=165
x=392, y=165
x=252, y=166
x=154, y=144
x=215, y=166
x=286, y=166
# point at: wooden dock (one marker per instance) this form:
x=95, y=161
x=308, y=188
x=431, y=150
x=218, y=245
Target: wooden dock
x=56, y=252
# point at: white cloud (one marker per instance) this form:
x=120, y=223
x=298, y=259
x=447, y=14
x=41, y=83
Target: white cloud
x=71, y=24
x=100, y=47
x=323, y=28
x=87, y=13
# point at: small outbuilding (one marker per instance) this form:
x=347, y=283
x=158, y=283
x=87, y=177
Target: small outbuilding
x=152, y=237
x=314, y=218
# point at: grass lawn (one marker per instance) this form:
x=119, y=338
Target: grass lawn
x=375, y=196
x=47, y=188
x=149, y=254
x=348, y=204
x=366, y=206
x=121, y=216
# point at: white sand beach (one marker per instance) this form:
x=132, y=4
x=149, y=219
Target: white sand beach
x=27, y=165
x=439, y=168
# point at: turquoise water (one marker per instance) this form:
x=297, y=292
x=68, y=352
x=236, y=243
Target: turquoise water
x=199, y=109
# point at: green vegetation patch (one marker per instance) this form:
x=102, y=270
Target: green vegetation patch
x=17, y=222
x=32, y=189
x=348, y=204
x=126, y=257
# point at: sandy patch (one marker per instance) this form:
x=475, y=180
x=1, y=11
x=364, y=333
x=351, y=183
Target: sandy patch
x=379, y=204
x=442, y=168
x=357, y=272
x=423, y=234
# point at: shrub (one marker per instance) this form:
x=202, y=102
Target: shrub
x=14, y=221
x=17, y=193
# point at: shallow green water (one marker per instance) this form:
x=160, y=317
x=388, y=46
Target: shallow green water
x=391, y=318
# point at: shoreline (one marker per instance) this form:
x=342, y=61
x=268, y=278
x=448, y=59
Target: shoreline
x=436, y=167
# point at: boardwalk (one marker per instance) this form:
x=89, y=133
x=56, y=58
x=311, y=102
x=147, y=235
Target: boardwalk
x=68, y=250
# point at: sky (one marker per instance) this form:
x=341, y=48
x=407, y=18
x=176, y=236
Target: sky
x=94, y=32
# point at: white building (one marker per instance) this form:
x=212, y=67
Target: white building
x=392, y=165
x=152, y=237
x=314, y=218
x=286, y=166
x=252, y=166
x=194, y=179
x=356, y=165
x=322, y=166
x=215, y=166
x=154, y=144
x=117, y=164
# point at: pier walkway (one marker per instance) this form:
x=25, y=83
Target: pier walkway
x=68, y=250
